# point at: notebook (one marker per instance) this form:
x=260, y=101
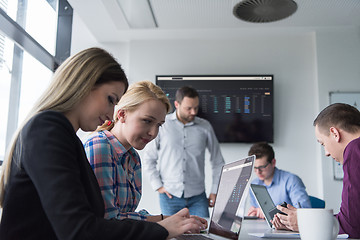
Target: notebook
x=227, y=215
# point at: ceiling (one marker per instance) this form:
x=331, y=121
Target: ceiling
x=202, y=18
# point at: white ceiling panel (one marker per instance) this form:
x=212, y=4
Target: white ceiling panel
x=107, y=21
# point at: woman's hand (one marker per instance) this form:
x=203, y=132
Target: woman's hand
x=201, y=220
x=182, y=222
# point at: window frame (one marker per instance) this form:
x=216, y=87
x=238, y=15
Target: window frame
x=25, y=42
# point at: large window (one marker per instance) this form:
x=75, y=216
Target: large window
x=35, y=37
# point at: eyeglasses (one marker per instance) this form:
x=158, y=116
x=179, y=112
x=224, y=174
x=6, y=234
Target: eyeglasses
x=260, y=168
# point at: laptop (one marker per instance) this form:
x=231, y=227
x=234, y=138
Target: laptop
x=228, y=213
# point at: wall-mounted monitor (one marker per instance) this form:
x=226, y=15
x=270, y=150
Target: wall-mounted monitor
x=239, y=107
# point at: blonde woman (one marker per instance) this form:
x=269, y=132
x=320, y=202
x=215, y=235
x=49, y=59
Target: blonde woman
x=48, y=189
x=111, y=150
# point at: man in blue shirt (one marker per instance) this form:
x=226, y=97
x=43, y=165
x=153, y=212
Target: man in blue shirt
x=282, y=185
x=175, y=159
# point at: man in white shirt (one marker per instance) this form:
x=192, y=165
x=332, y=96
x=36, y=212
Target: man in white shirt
x=175, y=160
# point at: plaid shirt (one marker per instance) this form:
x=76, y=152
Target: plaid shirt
x=118, y=173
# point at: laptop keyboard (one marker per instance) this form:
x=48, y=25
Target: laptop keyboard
x=192, y=237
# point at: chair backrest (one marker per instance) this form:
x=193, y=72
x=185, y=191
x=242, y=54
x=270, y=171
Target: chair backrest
x=316, y=202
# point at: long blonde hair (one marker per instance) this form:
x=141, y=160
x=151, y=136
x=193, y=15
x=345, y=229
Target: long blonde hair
x=137, y=94
x=72, y=82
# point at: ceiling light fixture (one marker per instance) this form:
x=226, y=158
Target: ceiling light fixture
x=262, y=11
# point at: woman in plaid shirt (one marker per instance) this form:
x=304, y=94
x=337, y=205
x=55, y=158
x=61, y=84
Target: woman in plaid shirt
x=111, y=150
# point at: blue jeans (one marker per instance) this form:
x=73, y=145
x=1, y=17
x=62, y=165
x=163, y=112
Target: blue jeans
x=197, y=205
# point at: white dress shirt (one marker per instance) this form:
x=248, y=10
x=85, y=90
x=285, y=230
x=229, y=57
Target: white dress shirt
x=175, y=160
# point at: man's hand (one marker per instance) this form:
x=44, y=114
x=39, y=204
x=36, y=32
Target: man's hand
x=253, y=211
x=288, y=222
x=212, y=198
x=163, y=190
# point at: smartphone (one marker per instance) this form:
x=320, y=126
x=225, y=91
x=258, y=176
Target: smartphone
x=274, y=211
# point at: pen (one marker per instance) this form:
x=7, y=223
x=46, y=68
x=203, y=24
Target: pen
x=299, y=204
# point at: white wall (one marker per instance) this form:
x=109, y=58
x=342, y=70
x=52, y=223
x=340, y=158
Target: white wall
x=302, y=64
x=81, y=37
x=290, y=58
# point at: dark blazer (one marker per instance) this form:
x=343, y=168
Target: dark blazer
x=53, y=193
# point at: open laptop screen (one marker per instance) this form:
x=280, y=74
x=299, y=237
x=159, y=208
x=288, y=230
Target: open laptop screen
x=226, y=219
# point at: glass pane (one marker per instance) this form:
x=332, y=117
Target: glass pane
x=6, y=58
x=38, y=18
x=35, y=79
x=41, y=23
x=10, y=7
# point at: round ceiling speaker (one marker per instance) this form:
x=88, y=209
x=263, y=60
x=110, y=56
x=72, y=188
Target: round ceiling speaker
x=261, y=11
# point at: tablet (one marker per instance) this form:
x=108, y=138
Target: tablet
x=265, y=202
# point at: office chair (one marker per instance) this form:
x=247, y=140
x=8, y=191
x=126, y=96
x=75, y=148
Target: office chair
x=316, y=202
